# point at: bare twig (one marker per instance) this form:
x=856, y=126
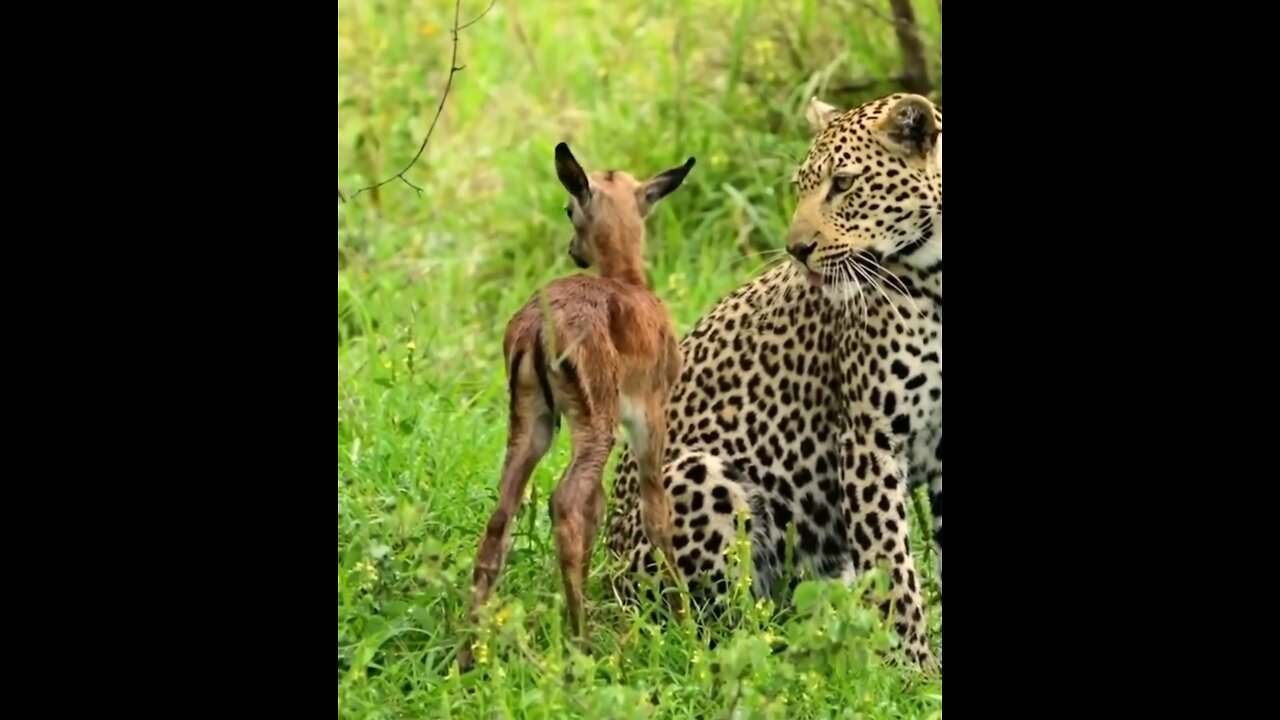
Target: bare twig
x=915, y=69
x=340, y=197
x=478, y=17
x=454, y=67
x=894, y=20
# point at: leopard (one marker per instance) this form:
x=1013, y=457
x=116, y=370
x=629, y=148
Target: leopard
x=808, y=410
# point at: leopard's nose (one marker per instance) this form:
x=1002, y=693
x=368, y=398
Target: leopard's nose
x=801, y=252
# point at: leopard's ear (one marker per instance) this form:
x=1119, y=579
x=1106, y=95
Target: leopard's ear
x=819, y=115
x=910, y=126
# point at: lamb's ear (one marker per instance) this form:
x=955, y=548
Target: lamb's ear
x=910, y=126
x=662, y=185
x=571, y=174
x=820, y=115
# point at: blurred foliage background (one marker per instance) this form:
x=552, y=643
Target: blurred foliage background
x=427, y=279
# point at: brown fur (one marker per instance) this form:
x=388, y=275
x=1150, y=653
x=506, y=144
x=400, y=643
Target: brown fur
x=604, y=348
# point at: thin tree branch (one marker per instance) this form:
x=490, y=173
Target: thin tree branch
x=887, y=17
x=915, y=69
x=454, y=67
x=480, y=16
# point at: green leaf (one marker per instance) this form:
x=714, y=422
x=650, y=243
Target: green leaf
x=807, y=595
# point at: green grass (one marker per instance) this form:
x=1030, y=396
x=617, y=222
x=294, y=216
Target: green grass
x=426, y=282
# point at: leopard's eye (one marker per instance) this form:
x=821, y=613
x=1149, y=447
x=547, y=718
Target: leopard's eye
x=841, y=183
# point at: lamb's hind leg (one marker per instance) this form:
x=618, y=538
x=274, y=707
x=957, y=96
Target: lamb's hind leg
x=577, y=506
x=531, y=428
